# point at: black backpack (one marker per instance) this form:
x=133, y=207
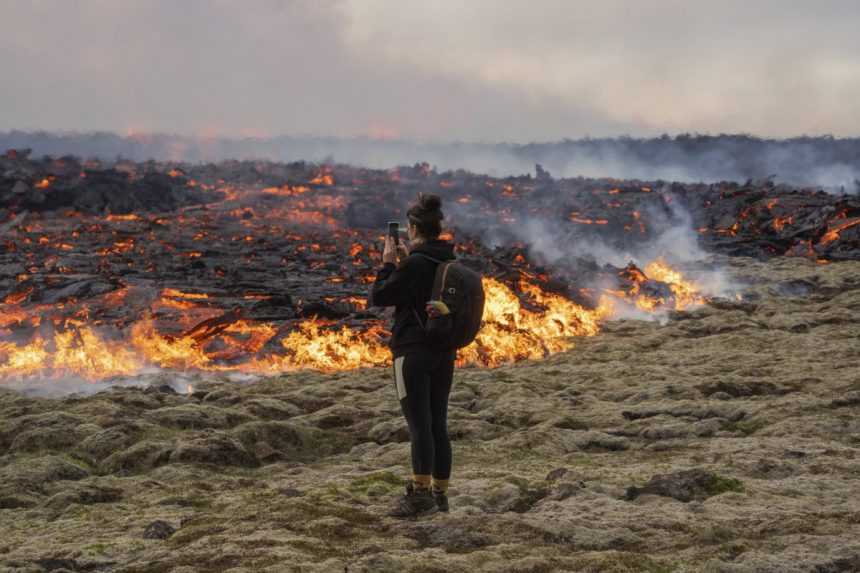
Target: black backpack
x=460, y=288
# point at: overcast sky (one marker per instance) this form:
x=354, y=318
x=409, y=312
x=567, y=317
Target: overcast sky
x=475, y=70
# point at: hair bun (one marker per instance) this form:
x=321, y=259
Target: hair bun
x=430, y=203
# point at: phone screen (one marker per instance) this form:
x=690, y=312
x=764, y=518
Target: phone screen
x=394, y=231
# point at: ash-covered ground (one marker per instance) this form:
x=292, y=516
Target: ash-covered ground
x=724, y=440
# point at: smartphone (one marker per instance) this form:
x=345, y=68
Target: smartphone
x=394, y=231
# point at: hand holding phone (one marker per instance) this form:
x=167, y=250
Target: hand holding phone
x=394, y=231
x=394, y=248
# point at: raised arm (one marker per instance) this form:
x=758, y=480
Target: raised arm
x=394, y=282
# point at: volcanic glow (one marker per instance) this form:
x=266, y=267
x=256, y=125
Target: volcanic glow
x=511, y=332
x=270, y=273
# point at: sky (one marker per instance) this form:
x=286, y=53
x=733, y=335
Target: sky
x=440, y=70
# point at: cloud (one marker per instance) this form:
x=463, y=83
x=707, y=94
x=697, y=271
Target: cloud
x=482, y=70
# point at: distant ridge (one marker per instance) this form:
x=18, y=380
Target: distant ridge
x=822, y=161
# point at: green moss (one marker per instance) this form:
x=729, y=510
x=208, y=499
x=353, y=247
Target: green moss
x=192, y=533
x=722, y=484
x=294, y=511
x=624, y=562
x=716, y=534
x=746, y=427
x=96, y=548
x=501, y=376
x=388, y=482
x=529, y=494
x=197, y=502
x=733, y=550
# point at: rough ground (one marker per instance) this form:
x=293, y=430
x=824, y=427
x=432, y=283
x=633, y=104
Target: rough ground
x=723, y=441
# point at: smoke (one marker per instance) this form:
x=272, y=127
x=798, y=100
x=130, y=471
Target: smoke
x=436, y=70
x=563, y=246
x=824, y=162
x=151, y=377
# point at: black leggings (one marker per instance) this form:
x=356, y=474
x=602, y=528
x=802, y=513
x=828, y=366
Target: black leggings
x=423, y=379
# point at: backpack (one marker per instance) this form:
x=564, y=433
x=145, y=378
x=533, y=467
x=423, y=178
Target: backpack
x=460, y=288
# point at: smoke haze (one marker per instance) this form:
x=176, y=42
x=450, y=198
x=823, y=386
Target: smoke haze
x=482, y=71
x=823, y=162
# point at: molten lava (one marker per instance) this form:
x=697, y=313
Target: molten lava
x=529, y=326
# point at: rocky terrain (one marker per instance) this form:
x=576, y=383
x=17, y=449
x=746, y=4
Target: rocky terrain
x=725, y=440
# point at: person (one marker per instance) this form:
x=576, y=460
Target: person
x=423, y=370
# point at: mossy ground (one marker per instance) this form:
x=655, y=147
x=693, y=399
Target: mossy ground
x=544, y=454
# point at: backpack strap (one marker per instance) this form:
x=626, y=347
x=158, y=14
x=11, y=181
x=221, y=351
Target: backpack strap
x=439, y=280
x=438, y=283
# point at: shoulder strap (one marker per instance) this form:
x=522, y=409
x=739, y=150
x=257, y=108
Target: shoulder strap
x=438, y=282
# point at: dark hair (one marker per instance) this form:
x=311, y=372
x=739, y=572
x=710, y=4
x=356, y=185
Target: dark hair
x=427, y=215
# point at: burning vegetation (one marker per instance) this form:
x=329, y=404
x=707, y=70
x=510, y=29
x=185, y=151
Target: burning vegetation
x=109, y=270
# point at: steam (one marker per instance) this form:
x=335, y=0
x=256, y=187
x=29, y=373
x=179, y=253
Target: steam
x=559, y=245
x=164, y=380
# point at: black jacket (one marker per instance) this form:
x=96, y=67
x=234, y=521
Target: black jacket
x=408, y=287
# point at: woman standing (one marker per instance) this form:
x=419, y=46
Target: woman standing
x=423, y=371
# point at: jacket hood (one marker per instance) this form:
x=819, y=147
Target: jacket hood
x=438, y=249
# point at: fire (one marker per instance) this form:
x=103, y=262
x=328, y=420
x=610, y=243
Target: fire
x=80, y=351
x=18, y=297
x=23, y=360
x=77, y=351
x=129, y=217
x=323, y=179
x=684, y=293
x=574, y=217
x=833, y=234
x=511, y=332
x=311, y=345
x=521, y=322
x=12, y=315
x=780, y=222
x=182, y=353
x=174, y=293
x=287, y=190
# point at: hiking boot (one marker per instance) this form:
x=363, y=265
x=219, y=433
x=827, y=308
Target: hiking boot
x=413, y=503
x=439, y=497
x=441, y=500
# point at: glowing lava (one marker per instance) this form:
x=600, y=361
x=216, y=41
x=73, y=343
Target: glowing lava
x=512, y=331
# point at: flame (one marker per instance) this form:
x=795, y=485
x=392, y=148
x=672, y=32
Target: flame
x=174, y=293
x=323, y=179
x=76, y=351
x=780, y=222
x=287, y=191
x=520, y=322
x=180, y=353
x=80, y=351
x=18, y=297
x=23, y=360
x=11, y=314
x=311, y=345
x=576, y=219
x=686, y=292
x=511, y=332
x=129, y=217
x=833, y=234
